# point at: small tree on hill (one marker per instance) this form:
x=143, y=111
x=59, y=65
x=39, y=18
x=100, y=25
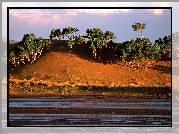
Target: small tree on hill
x=139, y=27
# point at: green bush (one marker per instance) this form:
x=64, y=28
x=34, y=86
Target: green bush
x=138, y=50
x=165, y=47
x=27, y=49
x=101, y=44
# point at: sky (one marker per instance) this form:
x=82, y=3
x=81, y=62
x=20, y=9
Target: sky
x=120, y=21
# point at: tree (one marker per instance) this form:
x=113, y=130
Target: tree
x=139, y=27
x=68, y=32
x=27, y=49
x=165, y=47
x=98, y=39
x=109, y=37
x=138, y=50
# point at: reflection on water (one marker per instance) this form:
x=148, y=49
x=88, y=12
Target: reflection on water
x=117, y=111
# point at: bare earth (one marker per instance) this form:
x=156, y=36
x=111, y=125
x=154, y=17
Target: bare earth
x=62, y=66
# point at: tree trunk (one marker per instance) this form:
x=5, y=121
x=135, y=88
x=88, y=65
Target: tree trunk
x=141, y=33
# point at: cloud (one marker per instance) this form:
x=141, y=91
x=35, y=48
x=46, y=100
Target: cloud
x=56, y=16
x=159, y=4
x=156, y=11
x=41, y=14
x=55, y=13
x=31, y=21
x=103, y=12
x=40, y=22
x=69, y=14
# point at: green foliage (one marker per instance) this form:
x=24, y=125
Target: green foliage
x=108, y=35
x=139, y=27
x=55, y=33
x=165, y=47
x=79, y=39
x=98, y=39
x=138, y=50
x=68, y=32
x=71, y=42
x=99, y=43
x=12, y=57
x=27, y=49
x=152, y=52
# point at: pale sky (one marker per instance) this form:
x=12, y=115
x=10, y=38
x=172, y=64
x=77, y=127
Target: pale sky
x=41, y=21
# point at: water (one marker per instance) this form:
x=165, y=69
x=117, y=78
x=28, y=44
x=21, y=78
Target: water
x=89, y=112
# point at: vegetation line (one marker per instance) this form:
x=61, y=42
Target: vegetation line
x=96, y=42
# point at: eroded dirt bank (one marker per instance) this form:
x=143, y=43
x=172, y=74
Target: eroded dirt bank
x=62, y=71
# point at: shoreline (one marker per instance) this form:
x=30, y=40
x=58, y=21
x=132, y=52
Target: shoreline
x=35, y=91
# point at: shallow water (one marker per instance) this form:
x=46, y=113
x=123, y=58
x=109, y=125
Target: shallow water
x=89, y=112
